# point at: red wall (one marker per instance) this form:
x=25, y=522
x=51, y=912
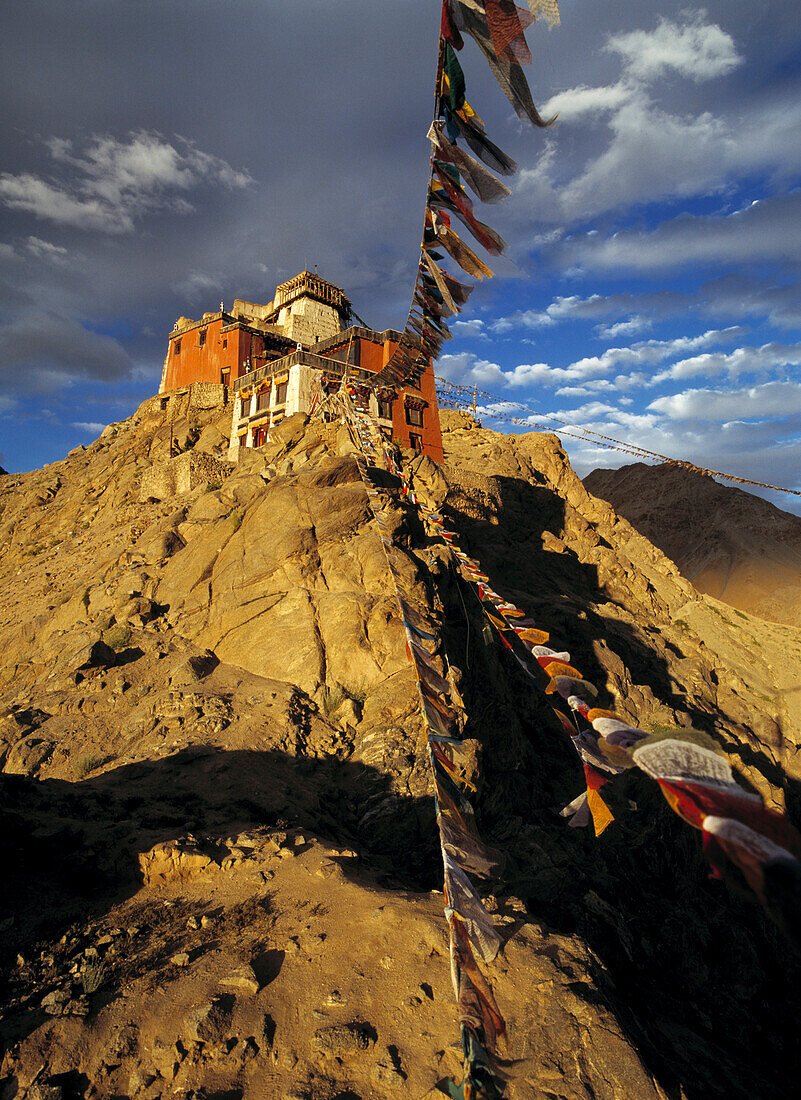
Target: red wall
x=196, y=363
x=374, y=356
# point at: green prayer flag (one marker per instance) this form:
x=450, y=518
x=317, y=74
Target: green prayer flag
x=451, y=170
x=453, y=71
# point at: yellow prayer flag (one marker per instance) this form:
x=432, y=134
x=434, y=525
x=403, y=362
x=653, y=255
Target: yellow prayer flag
x=601, y=814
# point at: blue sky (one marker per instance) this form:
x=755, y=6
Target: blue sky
x=159, y=157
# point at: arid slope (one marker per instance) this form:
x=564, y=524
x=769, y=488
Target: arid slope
x=219, y=843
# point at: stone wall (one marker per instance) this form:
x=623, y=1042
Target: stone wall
x=182, y=474
x=178, y=403
x=308, y=321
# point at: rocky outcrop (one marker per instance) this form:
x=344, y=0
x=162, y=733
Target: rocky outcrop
x=731, y=544
x=218, y=834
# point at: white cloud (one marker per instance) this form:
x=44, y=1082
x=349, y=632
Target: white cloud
x=474, y=327
x=54, y=203
x=46, y=351
x=622, y=328
x=769, y=399
x=467, y=369
x=697, y=50
x=45, y=250
x=113, y=183
x=740, y=361
x=733, y=295
x=766, y=450
x=198, y=284
x=559, y=310
x=607, y=385
x=739, y=294
x=646, y=353
x=584, y=376
x=651, y=150
x=574, y=102
x=651, y=154
x=90, y=427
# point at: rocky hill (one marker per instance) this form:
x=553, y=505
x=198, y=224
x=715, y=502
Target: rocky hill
x=729, y=543
x=222, y=876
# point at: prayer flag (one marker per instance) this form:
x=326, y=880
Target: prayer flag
x=448, y=29
x=455, y=77
x=481, y=145
x=507, y=72
x=488, y=188
x=464, y=256
x=467, y=905
x=506, y=30
x=463, y=208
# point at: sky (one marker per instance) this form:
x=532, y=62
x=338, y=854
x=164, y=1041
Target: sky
x=159, y=156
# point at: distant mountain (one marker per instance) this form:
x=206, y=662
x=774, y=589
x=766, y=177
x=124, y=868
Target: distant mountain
x=3, y=472
x=730, y=544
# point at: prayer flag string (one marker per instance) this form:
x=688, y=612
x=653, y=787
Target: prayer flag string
x=471, y=928
x=497, y=27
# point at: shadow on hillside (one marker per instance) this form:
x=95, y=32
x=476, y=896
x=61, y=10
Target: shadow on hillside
x=704, y=984
x=69, y=851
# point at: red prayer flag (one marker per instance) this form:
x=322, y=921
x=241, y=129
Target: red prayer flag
x=506, y=30
x=448, y=29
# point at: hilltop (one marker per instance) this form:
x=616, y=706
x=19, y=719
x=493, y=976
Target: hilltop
x=216, y=799
x=729, y=543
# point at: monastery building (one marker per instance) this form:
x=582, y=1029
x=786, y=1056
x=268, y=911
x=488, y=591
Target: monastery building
x=278, y=359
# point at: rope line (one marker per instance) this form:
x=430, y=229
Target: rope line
x=452, y=393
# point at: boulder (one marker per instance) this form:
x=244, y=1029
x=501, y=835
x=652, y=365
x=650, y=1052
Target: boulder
x=193, y=669
x=84, y=650
x=27, y=756
x=174, y=861
x=211, y=440
x=211, y=1022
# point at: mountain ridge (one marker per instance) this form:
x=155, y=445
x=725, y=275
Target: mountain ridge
x=731, y=544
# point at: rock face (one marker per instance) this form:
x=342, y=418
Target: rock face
x=218, y=838
x=730, y=544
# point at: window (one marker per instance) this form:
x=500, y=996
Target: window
x=414, y=416
x=263, y=400
x=201, y=338
x=225, y=343
x=416, y=442
x=385, y=410
x=280, y=394
x=176, y=348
